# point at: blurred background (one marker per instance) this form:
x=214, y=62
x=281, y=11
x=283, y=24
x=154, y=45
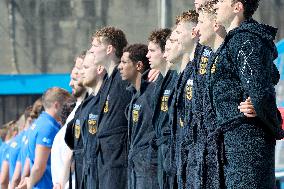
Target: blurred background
x=40, y=38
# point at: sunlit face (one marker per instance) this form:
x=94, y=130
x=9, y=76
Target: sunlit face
x=172, y=49
x=205, y=27
x=77, y=89
x=167, y=50
x=79, y=67
x=198, y=3
x=155, y=55
x=99, y=49
x=128, y=69
x=185, y=36
x=89, y=71
x=225, y=12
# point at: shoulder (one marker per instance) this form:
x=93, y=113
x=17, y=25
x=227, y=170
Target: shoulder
x=244, y=39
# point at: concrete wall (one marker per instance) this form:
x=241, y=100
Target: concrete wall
x=50, y=33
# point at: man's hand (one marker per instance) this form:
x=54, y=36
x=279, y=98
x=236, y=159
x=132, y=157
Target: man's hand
x=247, y=108
x=57, y=186
x=24, y=184
x=153, y=75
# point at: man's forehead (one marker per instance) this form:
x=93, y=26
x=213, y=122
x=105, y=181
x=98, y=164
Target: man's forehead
x=153, y=44
x=74, y=71
x=99, y=40
x=78, y=62
x=125, y=56
x=89, y=58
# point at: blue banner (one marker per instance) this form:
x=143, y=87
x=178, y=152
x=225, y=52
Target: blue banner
x=32, y=83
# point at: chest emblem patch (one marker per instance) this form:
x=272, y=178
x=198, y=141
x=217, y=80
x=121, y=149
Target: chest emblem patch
x=92, y=123
x=164, y=101
x=106, y=109
x=203, y=65
x=135, y=113
x=188, y=89
x=77, y=129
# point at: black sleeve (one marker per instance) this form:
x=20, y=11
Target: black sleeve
x=69, y=135
x=254, y=62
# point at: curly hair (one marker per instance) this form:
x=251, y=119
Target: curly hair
x=160, y=37
x=114, y=37
x=137, y=52
x=208, y=7
x=187, y=16
x=250, y=6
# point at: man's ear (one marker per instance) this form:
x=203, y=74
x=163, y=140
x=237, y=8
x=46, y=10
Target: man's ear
x=139, y=66
x=216, y=26
x=110, y=49
x=100, y=69
x=57, y=105
x=238, y=7
x=194, y=32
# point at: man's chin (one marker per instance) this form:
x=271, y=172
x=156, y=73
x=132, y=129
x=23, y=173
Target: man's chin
x=152, y=66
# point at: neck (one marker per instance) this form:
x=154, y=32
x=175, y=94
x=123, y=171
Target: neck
x=236, y=22
x=185, y=60
x=90, y=90
x=110, y=65
x=81, y=98
x=137, y=81
x=176, y=65
x=97, y=86
x=163, y=68
x=188, y=57
x=218, y=41
x=53, y=114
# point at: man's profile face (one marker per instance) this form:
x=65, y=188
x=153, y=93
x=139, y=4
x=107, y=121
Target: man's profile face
x=89, y=71
x=155, y=55
x=77, y=88
x=99, y=49
x=79, y=66
x=127, y=68
x=184, y=35
x=225, y=12
x=205, y=28
x=172, y=49
x=167, y=50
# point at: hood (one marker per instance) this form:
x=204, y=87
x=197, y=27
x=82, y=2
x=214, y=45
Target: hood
x=266, y=33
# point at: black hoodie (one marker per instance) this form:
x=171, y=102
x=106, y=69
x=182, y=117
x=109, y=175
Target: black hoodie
x=243, y=67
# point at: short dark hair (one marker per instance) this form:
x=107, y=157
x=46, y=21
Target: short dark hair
x=113, y=36
x=81, y=56
x=27, y=112
x=187, y=16
x=160, y=37
x=37, y=108
x=137, y=52
x=250, y=6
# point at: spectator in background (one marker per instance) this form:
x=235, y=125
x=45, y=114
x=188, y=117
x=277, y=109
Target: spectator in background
x=41, y=138
x=30, y=115
x=15, y=145
x=12, y=132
